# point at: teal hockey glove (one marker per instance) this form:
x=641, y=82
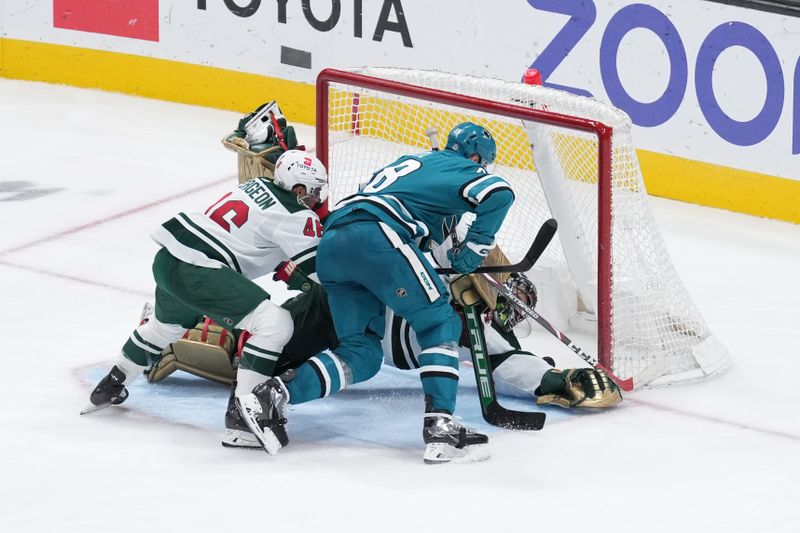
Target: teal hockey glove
x=469, y=255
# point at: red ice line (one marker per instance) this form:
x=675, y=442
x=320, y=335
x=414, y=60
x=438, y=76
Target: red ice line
x=69, y=277
x=90, y=225
x=708, y=418
x=111, y=218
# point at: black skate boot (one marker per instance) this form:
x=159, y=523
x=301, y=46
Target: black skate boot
x=237, y=434
x=447, y=441
x=262, y=411
x=110, y=391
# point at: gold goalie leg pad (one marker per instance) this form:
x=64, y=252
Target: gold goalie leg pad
x=206, y=351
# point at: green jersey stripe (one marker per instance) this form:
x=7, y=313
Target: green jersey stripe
x=261, y=351
x=149, y=346
x=257, y=364
x=187, y=238
x=212, y=241
x=306, y=260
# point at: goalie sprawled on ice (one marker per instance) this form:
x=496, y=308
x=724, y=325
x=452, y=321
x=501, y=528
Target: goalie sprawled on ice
x=209, y=351
x=204, y=268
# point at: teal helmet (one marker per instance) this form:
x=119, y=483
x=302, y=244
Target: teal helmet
x=468, y=138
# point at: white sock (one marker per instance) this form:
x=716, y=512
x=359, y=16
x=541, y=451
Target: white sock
x=129, y=368
x=246, y=380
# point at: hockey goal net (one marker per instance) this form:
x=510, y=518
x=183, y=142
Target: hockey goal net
x=572, y=158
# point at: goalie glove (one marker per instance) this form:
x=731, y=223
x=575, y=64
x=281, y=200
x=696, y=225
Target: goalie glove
x=464, y=291
x=288, y=273
x=578, y=387
x=468, y=255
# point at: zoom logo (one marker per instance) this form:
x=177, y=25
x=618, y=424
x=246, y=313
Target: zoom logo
x=582, y=16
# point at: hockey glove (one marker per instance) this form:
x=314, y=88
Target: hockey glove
x=463, y=291
x=288, y=273
x=469, y=255
x=578, y=387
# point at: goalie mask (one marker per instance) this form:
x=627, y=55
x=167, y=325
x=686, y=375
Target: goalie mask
x=505, y=314
x=296, y=167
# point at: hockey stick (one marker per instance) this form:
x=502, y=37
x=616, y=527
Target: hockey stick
x=624, y=384
x=541, y=241
x=492, y=411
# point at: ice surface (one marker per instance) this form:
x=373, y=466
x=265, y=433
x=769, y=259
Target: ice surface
x=84, y=177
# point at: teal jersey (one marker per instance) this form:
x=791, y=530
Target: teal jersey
x=423, y=196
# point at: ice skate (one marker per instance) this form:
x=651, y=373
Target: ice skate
x=110, y=391
x=262, y=411
x=237, y=434
x=447, y=441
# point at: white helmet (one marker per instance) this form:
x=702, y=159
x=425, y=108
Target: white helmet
x=296, y=167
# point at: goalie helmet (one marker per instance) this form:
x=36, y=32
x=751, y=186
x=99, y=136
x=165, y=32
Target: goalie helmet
x=505, y=314
x=296, y=167
x=468, y=138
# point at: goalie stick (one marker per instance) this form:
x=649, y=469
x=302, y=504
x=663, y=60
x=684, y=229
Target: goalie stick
x=624, y=384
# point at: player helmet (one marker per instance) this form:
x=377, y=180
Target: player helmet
x=468, y=138
x=505, y=314
x=296, y=167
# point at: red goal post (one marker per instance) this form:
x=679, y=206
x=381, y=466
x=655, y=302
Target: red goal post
x=367, y=118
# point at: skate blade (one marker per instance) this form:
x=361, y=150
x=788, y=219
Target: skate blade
x=269, y=442
x=440, y=453
x=91, y=408
x=235, y=438
x=266, y=438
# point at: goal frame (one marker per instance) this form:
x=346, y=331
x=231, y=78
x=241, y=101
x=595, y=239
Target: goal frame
x=602, y=131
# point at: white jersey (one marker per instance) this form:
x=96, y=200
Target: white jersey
x=250, y=230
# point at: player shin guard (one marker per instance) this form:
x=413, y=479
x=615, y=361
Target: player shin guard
x=320, y=376
x=149, y=339
x=439, y=375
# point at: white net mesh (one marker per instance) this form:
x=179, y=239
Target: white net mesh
x=658, y=336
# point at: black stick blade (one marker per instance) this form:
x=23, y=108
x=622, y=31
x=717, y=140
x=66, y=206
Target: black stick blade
x=543, y=238
x=497, y=415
